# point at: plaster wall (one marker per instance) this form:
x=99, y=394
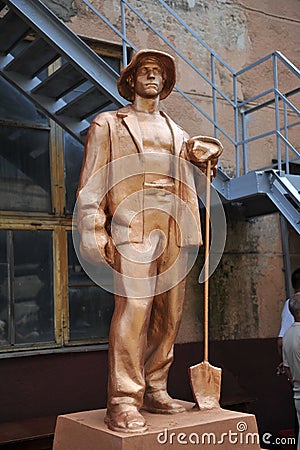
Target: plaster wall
x=248, y=287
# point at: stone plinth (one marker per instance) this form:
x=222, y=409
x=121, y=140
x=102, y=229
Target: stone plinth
x=192, y=429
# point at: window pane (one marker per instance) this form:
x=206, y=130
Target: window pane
x=33, y=286
x=113, y=62
x=24, y=170
x=73, y=161
x=90, y=312
x=90, y=307
x=3, y=289
x=15, y=106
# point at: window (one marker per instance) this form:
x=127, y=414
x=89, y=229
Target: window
x=46, y=299
x=24, y=169
x=90, y=307
x=26, y=287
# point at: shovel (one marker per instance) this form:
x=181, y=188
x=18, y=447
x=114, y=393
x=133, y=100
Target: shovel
x=205, y=379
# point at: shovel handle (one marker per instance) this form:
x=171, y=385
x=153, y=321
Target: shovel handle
x=206, y=259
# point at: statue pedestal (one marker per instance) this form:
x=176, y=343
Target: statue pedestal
x=217, y=428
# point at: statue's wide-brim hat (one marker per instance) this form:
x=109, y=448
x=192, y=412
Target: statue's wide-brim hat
x=167, y=61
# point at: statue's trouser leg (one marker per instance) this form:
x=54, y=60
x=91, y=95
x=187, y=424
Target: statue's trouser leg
x=132, y=340
x=164, y=323
x=165, y=315
x=127, y=343
x=129, y=348
x=128, y=332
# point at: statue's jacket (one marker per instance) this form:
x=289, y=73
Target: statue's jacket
x=111, y=188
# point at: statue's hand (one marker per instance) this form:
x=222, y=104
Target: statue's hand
x=96, y=246
x=105, y=246
x=204, y=148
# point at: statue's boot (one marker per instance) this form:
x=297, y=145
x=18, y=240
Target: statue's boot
x=125, y=418
x=160, y=402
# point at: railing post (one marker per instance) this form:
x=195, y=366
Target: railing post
x=277, y=117
x=286, y=135
x=214, y=93
x=245, y=144
x=123, y=21
x=236, y=127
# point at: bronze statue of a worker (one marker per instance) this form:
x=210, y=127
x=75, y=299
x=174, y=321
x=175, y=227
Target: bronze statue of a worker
x=137, y=225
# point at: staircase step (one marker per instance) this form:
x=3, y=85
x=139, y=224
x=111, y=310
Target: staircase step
x=34, y=58
x=287, y=187
x=295, y=180
x=61, y=82
x=85, y=104
x=12, y=30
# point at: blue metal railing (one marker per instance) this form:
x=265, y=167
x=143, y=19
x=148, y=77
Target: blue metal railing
x=242, y=110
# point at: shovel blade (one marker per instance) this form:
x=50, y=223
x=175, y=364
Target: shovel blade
x=205, y=382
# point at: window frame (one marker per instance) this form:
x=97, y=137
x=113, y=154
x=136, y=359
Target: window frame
x=59, y=223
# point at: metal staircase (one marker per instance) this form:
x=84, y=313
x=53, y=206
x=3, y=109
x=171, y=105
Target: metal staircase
x=84, y=84
x=261, y=192
x=56, y=94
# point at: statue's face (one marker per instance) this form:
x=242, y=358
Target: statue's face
x=148, y=81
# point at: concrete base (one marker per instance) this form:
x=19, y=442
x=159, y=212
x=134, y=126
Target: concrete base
x=217, y=428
